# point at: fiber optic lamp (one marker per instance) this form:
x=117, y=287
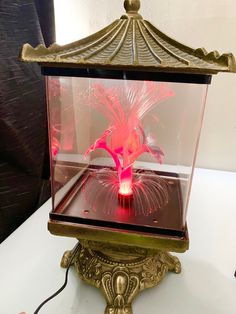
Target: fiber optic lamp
x=125, y=110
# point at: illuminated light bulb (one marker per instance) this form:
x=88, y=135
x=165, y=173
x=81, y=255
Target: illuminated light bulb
x=125, y=188
x=125, y=194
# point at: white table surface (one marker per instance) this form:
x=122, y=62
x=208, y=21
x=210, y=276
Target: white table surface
x=30, y=257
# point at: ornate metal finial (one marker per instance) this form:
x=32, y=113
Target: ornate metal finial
x=132, y=7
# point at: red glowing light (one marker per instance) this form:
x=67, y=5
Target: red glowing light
x=125, y=181
x=55, y=146
x=126, y=188
x=125, y=139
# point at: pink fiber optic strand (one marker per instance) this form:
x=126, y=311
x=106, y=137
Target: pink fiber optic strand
x=125, y=139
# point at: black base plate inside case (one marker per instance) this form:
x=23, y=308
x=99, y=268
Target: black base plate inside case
x=89, y=203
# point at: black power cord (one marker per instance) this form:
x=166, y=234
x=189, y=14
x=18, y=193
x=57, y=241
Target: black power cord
x=74, y=251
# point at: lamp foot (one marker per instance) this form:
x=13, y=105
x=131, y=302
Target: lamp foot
x=120, y=272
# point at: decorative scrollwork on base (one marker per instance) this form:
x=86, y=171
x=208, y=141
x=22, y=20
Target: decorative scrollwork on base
x=119, y=280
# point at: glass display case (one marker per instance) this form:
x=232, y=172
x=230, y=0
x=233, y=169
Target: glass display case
x=123, y=151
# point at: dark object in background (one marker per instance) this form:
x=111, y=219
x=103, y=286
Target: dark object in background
x=23, y=124
x=45, y=10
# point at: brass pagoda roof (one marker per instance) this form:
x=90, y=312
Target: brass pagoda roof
x=131, y=43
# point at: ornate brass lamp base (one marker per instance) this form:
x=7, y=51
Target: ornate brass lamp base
x=120, y=272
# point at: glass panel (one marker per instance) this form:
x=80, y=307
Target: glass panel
x=122, y=152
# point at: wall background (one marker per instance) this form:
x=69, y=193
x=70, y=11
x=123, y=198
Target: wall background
x=200, y=23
